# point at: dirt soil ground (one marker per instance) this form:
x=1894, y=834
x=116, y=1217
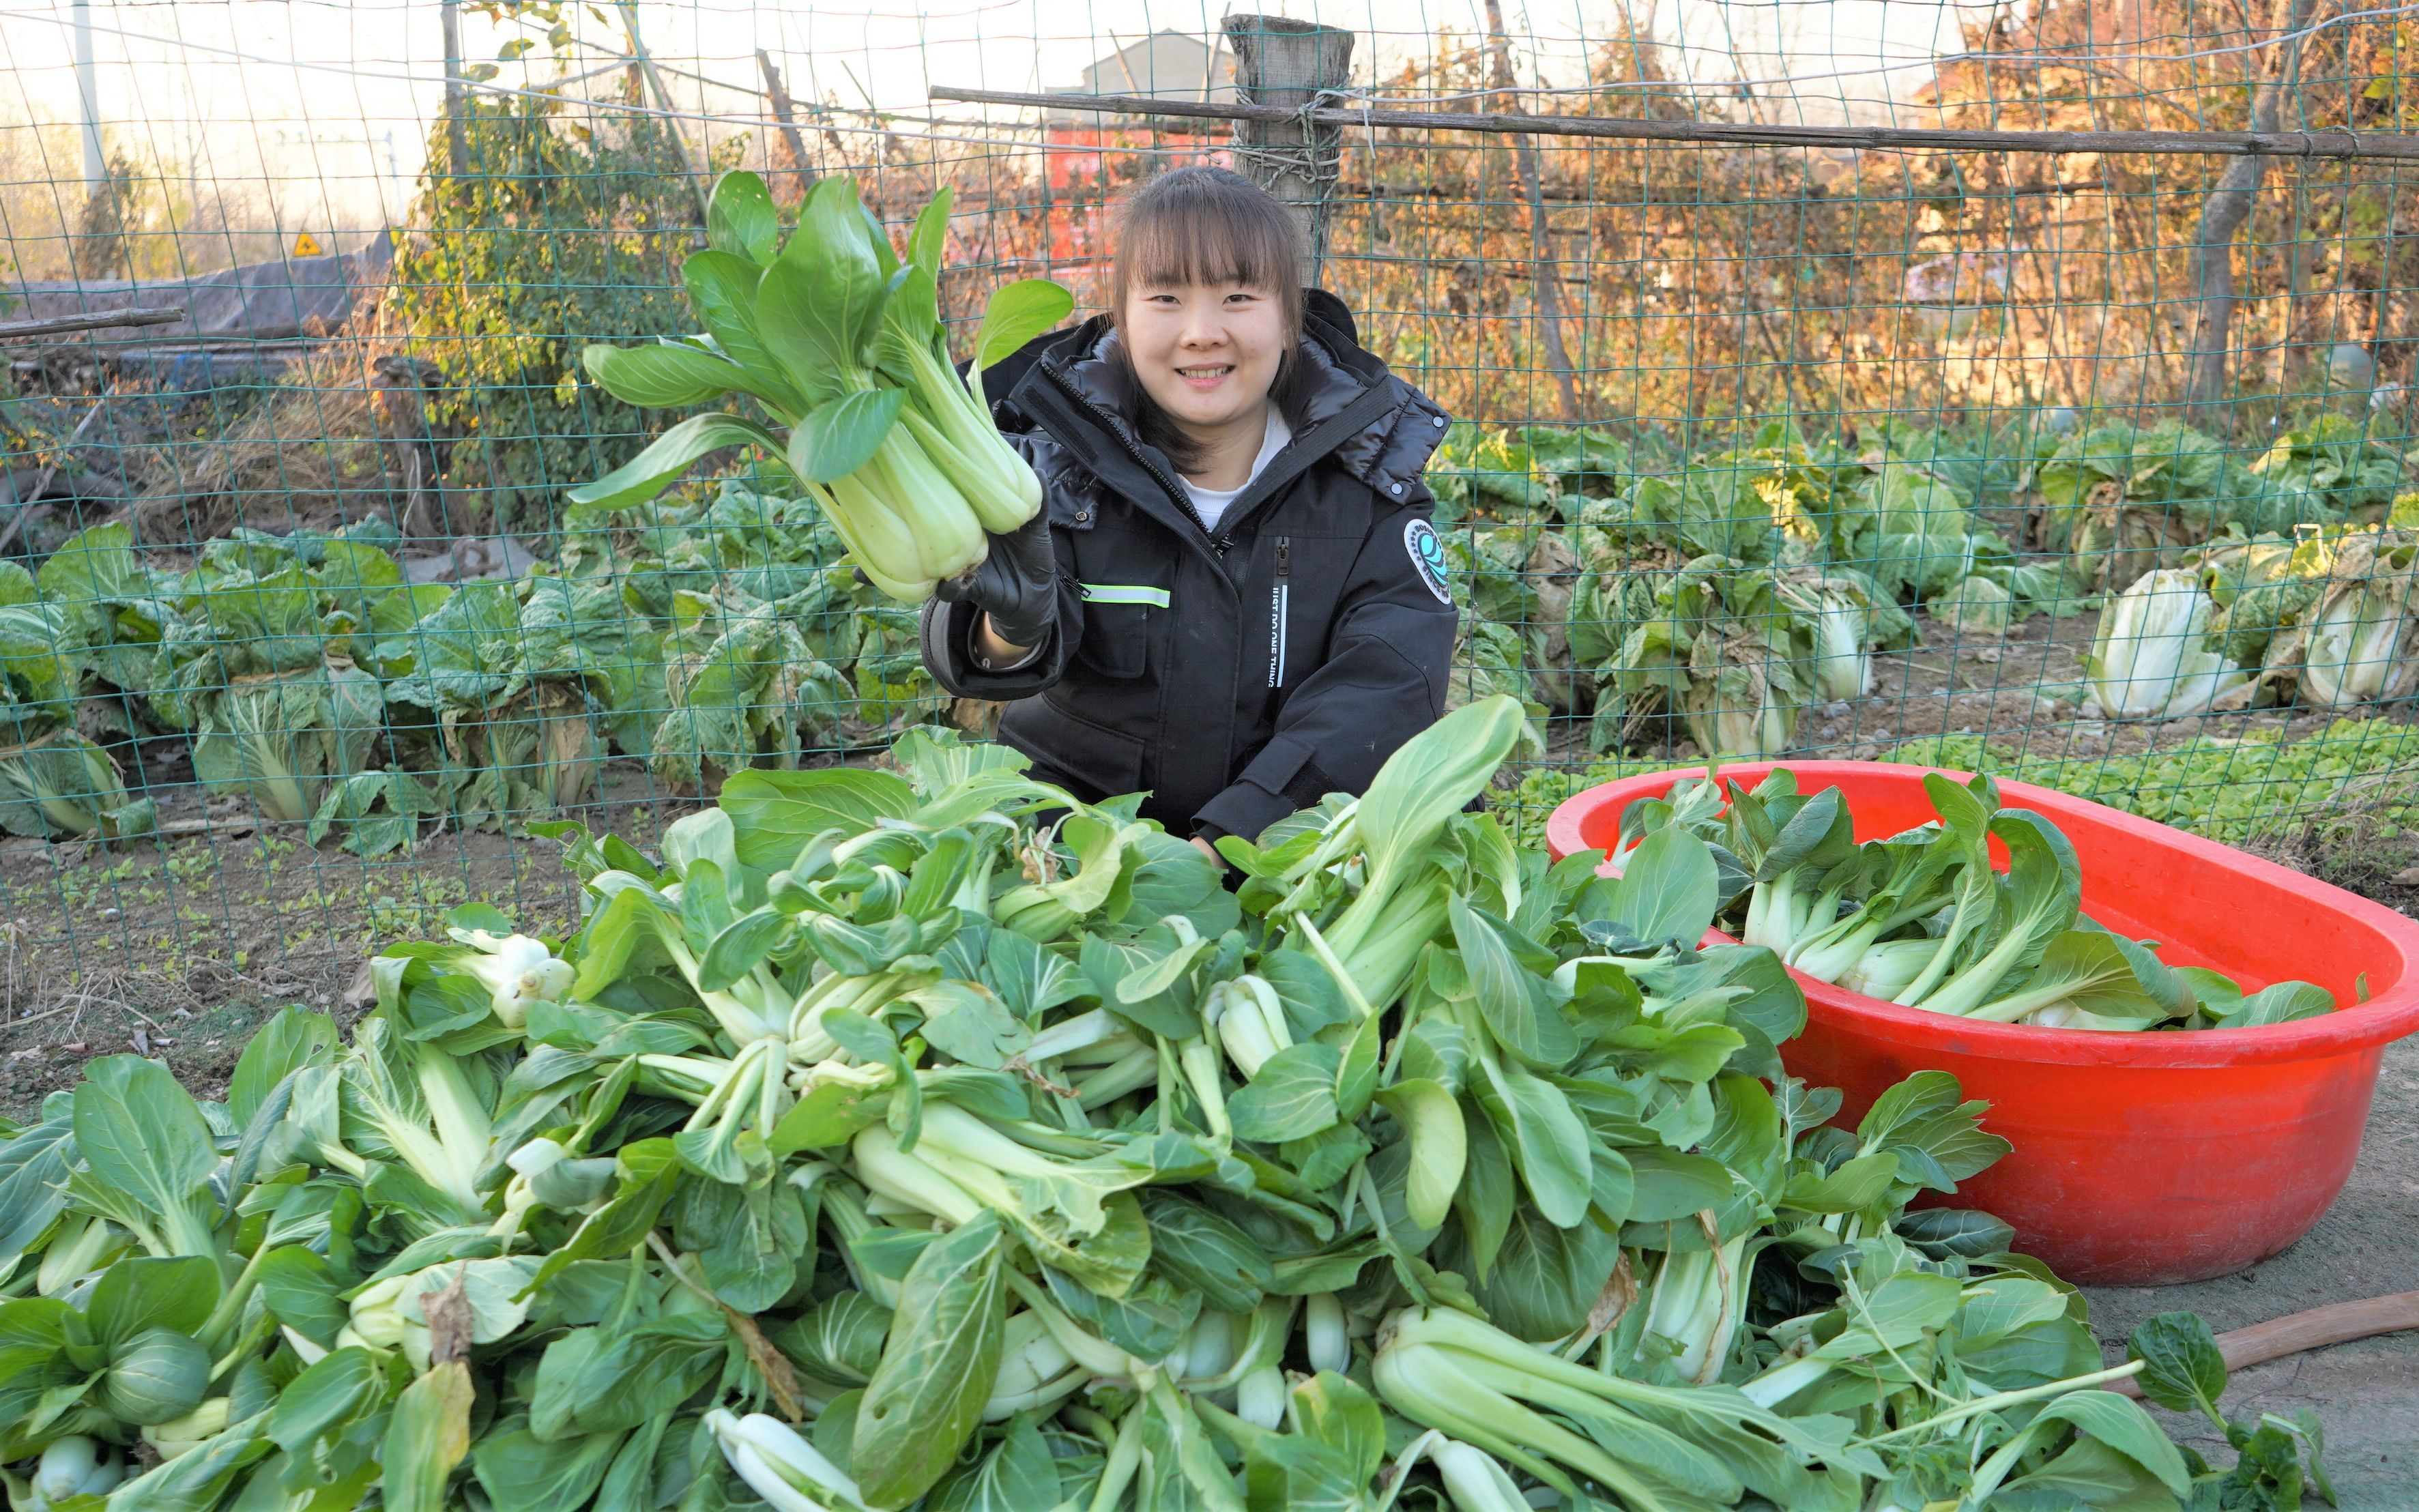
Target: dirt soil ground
x=179, y=950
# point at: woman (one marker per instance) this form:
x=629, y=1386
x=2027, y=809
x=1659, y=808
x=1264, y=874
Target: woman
x=1232, y=597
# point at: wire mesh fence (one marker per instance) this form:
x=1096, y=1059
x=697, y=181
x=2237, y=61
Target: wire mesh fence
x=2086, y=467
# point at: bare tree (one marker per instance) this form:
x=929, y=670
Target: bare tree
x=2222, y=215
x=1545, y=275
x=801, y=166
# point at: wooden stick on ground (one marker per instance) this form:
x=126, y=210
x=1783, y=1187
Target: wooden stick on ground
x=2295, y=1333
x=60, y=325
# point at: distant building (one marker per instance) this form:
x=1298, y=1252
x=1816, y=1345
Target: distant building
x=1165, y=65
x=1090, y=154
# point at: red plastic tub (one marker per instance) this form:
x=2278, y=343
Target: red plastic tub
x=2140, y=1159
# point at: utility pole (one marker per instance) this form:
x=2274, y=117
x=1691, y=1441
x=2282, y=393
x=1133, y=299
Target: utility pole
x=457, y=145
x=96, y=168
x=394, y=201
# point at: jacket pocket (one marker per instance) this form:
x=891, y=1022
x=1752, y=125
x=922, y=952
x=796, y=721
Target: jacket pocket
x=1092, y=759
x=1117, y=621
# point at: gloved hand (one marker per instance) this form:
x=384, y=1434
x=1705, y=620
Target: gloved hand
x=1016, y=583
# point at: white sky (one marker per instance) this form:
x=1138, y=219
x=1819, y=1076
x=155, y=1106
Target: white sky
x=324, y=105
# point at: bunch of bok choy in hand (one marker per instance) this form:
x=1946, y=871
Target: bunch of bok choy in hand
x=836, y=339
x=923, y=1137
x=1922, y=919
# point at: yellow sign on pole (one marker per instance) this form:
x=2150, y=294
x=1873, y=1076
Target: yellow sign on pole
x=307, y=245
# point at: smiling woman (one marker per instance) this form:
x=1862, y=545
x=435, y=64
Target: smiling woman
x=1229, y=598
x=1210, y=321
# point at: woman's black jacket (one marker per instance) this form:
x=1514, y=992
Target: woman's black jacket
x=1237, y=674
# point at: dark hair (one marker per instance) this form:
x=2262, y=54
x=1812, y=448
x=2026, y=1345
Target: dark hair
x=1201, y=224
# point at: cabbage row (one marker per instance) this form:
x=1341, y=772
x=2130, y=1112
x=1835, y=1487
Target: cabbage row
x=923, y=1137
x=1728, y=594
x=2120, y=499
x=315, y=680
x=1723, y=599
x=2325, y=620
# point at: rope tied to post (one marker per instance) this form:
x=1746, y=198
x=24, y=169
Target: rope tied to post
x=1317, y=154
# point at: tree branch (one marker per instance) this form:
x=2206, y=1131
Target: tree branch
x=2222, y=217
x=1545, y=288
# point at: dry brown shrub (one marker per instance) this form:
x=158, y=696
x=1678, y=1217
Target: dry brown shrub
x=311, y=453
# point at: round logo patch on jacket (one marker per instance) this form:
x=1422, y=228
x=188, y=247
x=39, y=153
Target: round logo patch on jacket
x=1427, y=556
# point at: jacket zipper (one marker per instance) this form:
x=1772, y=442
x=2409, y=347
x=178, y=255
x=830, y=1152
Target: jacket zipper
x=1175, y=489
x=1280, y=602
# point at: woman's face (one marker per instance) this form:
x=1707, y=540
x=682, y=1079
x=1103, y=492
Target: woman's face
x=1208, y=354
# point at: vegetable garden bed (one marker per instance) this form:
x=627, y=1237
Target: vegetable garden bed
x=178, y=947
x=228, y=919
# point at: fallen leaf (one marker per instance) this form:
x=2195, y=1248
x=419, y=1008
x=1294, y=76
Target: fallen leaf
x=450, y=1320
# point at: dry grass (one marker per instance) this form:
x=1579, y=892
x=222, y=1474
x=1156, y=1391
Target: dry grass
x=310, y=453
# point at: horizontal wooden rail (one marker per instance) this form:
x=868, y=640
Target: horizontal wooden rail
x=2330, y=143
x=60, y=325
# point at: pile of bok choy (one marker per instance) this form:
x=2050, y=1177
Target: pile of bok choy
x=924, y=1137
x=1922, y=919
x=836, y=339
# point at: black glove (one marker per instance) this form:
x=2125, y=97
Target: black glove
x=1016, y=583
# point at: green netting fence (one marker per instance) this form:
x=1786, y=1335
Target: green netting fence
x=2087, y=466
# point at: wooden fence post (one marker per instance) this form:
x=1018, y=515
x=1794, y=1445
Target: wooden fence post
x=1287, y=63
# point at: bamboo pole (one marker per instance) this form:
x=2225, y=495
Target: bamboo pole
x=60, y=325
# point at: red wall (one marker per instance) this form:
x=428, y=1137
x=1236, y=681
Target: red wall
x=1087, y=168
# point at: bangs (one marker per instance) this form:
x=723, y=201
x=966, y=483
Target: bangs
x=1205, y=226
x=1209, y=241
